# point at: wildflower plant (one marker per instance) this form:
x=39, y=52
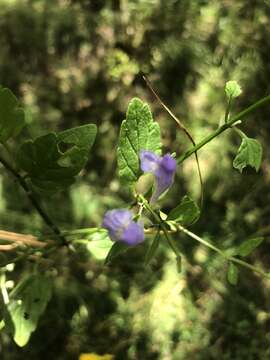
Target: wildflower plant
x=51, y=162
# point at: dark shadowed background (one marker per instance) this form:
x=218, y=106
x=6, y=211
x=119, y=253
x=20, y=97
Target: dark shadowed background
x=71, y=62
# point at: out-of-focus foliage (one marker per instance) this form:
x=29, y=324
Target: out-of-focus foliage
x=27, y=302
x=72, y=62
x=93, y=356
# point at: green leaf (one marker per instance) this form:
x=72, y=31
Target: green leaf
x=249, y=245
x=118, y=248
x=249, y=154
x=11, y=116
x=52, y=161
x=186, y=213
x=152, y=249
x=138, y=132
x=27, y=303
x=232, y=89
x=232, y=274
x=100, y=244
x=81, y=139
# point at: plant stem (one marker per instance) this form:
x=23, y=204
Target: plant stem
x=33, y=200
x=162, y=225
x=249, y=266
x=7, y=148
x=240, y=133
x=228, y=110
x=220, y=252
x=200, y=240
x=149, y=208
x=222, y=128
x=86, y=231
x=171, y=241
x=174, y=246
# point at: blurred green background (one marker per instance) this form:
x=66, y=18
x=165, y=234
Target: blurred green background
x=71, y=62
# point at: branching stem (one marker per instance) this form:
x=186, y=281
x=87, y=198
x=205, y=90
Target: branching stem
x=220, y=252
x=162, y=225
x=224, y=127
x=206, y=243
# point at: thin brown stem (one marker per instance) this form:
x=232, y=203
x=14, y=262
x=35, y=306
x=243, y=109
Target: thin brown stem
x=8, y=247
x=24, y=239
x=182, y=128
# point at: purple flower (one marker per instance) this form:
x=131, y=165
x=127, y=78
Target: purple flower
x=121, y=227
x=163, y=168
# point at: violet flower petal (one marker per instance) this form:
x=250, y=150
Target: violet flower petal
x=115, y=221
x=163, y=168
x=149, y=161
x=164, y=176
x=133, y=234
x=121, y=227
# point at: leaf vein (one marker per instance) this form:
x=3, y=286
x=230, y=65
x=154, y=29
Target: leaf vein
x=127, y=164
x=131, y=145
